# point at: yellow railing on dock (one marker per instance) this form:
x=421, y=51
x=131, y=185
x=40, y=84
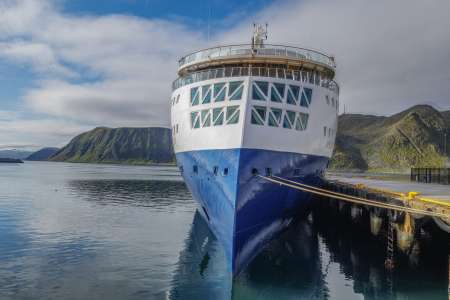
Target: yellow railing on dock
x=411, y=205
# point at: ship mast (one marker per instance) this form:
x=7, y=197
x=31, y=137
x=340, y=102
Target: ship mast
x=259, y=35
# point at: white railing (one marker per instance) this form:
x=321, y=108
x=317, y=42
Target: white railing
x=266, y=51
x=302, y=76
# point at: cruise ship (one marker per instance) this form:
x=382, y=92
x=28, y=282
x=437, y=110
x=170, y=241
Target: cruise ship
x=241, y=112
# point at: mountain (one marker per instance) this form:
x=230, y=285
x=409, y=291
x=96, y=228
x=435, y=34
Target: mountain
x=446, y=115
x=416, y=137
x=119, y=145
x=14, y=153
x=43, y=154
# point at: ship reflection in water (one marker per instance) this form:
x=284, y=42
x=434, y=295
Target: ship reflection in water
x=76, y=231
x=311, y=260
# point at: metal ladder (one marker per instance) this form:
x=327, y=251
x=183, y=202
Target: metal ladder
x=389, y=262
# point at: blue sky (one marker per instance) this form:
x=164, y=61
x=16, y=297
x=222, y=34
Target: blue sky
x=220, y=15
x=67, y=66
x=194, y=13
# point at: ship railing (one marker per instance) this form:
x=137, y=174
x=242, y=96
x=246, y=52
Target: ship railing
x=268, y=50
x=303, y=76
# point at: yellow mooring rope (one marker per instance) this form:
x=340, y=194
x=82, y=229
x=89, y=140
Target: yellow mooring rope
x=330, y=194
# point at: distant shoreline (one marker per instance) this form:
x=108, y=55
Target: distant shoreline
x=124, y=163
x=11, y=161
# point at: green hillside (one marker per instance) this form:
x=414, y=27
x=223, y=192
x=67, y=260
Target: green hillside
x=119, y=145
x=42, y=154
x=413, y=138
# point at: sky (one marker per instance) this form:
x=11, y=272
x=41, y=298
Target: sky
x=67, y=66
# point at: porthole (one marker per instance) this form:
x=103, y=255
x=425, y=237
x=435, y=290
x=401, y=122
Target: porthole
x=225, y=172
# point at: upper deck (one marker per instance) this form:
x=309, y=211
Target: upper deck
x=248, y=54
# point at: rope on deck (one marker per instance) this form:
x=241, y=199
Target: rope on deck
x=353, y=199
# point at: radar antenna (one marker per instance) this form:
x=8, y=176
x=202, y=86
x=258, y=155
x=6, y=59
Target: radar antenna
x=259, y=35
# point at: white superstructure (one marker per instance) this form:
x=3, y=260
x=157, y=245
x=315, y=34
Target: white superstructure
x=244, y=97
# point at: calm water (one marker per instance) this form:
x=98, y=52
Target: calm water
x=79, y=231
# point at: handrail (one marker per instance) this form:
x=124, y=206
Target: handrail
x=266, y=50
x=302, y=76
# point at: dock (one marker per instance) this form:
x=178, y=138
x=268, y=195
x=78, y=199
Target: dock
x=396, y=210
x=394, y=185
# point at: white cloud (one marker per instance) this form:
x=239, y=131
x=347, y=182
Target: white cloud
x=117, y=70
x=38, y=55
x=37, y=133
x=390, y=54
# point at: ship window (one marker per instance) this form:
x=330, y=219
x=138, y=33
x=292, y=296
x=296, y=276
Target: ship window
x=178, y=98
x=298, y=124
x=206, y=118
x=195, y=119
x=176, y=128
x=257, y=94
x=303, y=119
x=195, y=169
x=275, y=117
x=292, y=94
x=277, y=92
x=305, y=100
x=260, y=90
x=235, y=90
x=332, y=102
x=219, y=92
x=308, y=93
x=268, y=172
x=232, y=114
x=324, y=130
x=291, y=116
x=194, y=96
x=297, y=172
x=286, y=123
x=254, y=171
x=225, y=172
x=216, y=170
x=258, y=115
x=206, y=94
x=218, y=116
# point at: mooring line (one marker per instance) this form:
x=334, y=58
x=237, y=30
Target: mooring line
x=349, y=198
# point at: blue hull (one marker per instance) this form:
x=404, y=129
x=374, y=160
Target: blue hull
x=245, y=211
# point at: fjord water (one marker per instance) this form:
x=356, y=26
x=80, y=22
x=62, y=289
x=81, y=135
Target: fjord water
x=81, y=231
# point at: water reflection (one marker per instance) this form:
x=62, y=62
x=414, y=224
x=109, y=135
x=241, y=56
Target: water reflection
x=313, y=259
x=360, y=257
x=85, y=232
x=156, y=194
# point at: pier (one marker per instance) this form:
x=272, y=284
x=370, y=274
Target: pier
x=399, y=212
